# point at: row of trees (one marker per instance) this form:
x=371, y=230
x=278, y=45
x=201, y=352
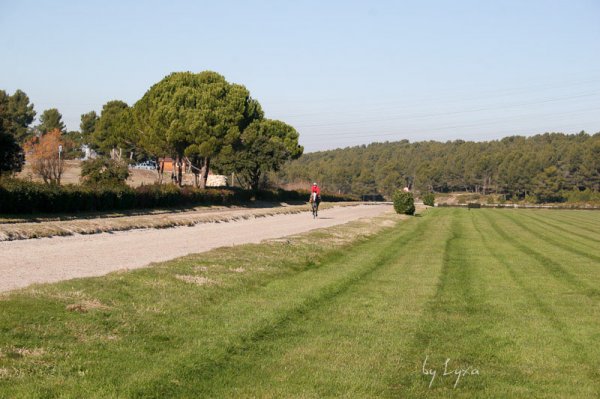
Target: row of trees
x=200, y=118
x=40, y=142
x=542, y=165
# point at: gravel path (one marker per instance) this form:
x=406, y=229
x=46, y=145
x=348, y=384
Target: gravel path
x=60, y=258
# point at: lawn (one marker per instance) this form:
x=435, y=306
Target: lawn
x=481, y=303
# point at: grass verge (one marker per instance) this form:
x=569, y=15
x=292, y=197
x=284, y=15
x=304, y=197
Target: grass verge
x=453, y=303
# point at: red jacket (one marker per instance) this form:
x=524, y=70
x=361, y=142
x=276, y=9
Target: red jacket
x=316, y=189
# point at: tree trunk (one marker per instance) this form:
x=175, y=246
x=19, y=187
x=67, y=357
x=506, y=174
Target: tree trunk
x=160, y=169
x=179, y=172
x=240, y=182
x=255, y=180
x=204, y=172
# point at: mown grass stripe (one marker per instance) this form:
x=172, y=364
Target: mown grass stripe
x=267, y=328
x=327, y=337
x=560, y=230
x=578, y=349
x=580, y=219
x=540, y=234
x=553, y=267
x=459, y=324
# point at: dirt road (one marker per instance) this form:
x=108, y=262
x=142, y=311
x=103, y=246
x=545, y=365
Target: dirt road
x=60, y=258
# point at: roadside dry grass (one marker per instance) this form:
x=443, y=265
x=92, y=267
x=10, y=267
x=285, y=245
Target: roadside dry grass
x=19, y=229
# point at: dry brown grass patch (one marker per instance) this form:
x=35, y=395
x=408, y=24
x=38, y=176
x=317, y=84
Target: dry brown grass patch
x=198, y=280
x=86, y=306
x=5, y=373
x=22, y=352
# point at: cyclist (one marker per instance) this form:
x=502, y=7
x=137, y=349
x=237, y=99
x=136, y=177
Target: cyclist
x=315, y=190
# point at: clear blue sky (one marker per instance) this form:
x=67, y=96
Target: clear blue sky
x=342, y=72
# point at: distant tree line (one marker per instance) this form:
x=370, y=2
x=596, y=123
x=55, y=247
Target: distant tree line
x=217, y=125
x=543, y=167
x=197, y=117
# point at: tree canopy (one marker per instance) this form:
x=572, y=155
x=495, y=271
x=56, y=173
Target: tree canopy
x=265, y=145
x=114, y=129
x=51, y=119
x=11, y=153
x=16, y=114
x=198, y=116
x=88, y=125
x=516, y=166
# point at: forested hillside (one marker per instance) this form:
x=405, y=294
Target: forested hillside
x=543, y=166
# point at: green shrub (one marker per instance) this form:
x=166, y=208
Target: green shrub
x=103, y=171
x=404, y=202
x=531, y=199
x=429, y=199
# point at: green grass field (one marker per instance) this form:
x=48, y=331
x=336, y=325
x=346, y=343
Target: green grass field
x=452, y=303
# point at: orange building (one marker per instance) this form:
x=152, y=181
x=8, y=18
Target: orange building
x=168, y=164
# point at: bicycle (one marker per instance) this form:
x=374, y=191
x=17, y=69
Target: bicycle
x=314, y=205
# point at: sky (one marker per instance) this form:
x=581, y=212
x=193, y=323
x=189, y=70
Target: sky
x=343, y=73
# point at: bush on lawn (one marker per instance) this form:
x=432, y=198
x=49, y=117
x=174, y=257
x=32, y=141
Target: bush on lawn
x=429, y=199
x=404, y=202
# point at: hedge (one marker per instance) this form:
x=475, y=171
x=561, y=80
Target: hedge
x=293, y=195
x=19, y=196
